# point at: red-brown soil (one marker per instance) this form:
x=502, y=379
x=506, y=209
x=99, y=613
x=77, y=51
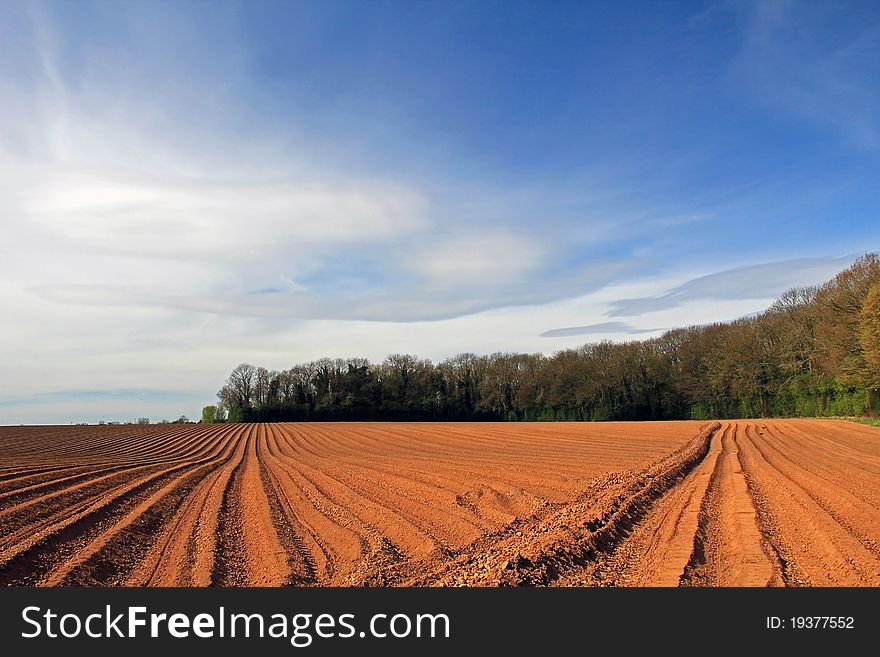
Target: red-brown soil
x=749, y=503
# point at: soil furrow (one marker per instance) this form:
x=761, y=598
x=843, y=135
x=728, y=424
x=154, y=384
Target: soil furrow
x=728, y=549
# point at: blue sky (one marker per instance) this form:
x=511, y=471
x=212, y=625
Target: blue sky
x=184, y=186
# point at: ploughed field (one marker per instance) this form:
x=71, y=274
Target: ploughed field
x=666, y=503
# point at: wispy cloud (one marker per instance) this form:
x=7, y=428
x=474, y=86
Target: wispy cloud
x=603, y=328
x=762, y=281
x=477, y=259
x=139, y=394
x=401, y=302
x=200, y=219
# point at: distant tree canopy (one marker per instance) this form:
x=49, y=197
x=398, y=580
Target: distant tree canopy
x=815, y=351
x=208, y=413
x=212, y=414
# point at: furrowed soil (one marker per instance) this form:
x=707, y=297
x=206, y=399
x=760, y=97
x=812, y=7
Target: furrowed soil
x=739, y=503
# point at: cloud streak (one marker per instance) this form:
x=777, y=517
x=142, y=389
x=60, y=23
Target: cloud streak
x=604, y=328
x=761, y=281
x=150, y=394
x=408, y=302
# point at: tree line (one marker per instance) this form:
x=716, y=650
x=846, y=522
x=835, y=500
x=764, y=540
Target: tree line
x=814, y=352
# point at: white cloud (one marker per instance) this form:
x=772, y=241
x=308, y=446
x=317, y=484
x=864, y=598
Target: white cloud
x=760, y=281
x=204, y=218
x=476, y=259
